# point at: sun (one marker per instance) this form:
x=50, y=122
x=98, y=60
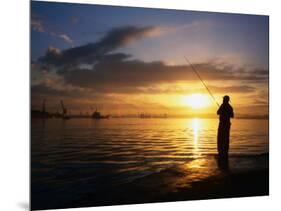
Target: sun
x=196, y=101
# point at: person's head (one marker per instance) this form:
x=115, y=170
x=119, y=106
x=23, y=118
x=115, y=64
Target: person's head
x=226, y=99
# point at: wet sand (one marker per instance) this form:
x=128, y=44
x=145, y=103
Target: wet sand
x=202, y=178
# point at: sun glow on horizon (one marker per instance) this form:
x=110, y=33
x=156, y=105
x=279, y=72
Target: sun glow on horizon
x=196, y=101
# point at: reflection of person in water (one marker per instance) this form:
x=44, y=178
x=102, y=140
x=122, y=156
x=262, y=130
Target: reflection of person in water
x=225, y=112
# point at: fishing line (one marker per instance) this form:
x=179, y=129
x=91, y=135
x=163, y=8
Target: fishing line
x=209, y=91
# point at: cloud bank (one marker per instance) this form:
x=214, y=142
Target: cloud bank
x=98, y=68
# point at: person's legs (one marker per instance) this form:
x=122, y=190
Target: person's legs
x=220, y=139
x=226, y=129
x=222, y=163
x=223, y=139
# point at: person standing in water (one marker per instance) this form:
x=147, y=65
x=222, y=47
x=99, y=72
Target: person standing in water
x=225, y=112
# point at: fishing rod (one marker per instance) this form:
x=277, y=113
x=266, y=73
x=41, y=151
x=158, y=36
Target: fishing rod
x=209, y=91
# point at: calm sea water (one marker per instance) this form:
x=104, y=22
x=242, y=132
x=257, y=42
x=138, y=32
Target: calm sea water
x=89, y=155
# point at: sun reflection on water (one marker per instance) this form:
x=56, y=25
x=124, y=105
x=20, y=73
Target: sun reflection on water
x=196, y=127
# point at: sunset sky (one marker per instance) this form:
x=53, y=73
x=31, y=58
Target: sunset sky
x=126, y=60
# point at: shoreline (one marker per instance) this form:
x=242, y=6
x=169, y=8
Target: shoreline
x=202, y=178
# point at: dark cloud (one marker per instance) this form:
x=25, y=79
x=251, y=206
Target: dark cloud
x=124, y=75
x=117, y=73
x=91, y=52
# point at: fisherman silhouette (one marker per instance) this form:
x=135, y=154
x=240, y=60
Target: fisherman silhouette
x=225, y=112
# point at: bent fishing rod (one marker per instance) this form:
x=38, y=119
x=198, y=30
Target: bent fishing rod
x=195, y=71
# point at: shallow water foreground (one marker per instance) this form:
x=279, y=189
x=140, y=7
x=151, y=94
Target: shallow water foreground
x=204, y=178
x=82, y=162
